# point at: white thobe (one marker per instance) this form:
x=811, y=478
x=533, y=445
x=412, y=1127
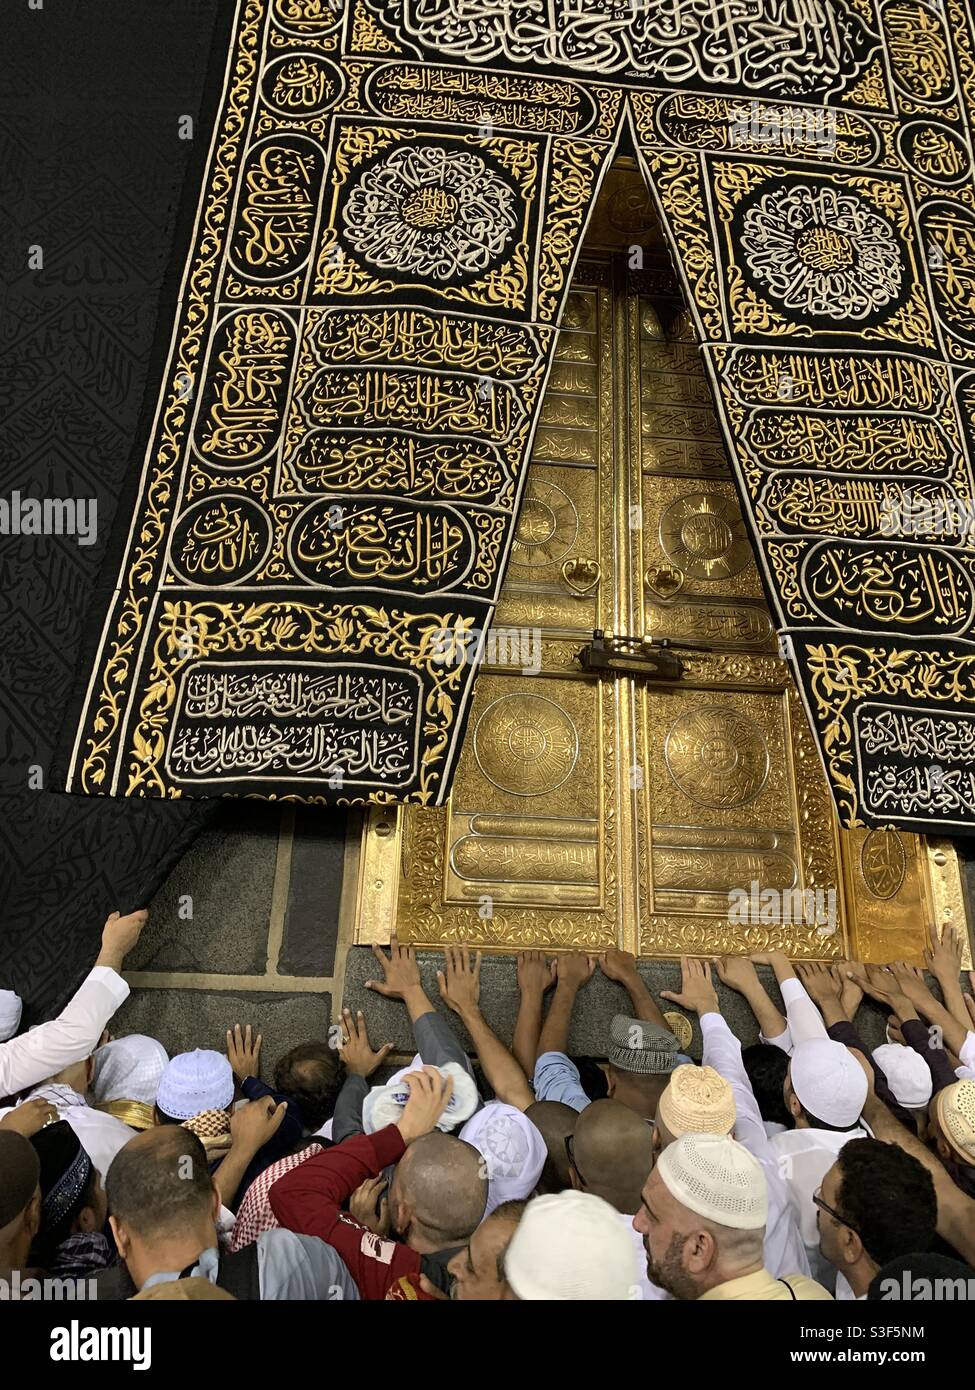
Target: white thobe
x=785, y=1252
x=100, y=1135
x=71, y=1037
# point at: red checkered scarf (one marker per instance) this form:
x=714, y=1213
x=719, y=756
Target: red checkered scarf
x=254, y=1215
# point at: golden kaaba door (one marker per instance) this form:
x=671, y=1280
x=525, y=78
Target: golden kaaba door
x=600, y=808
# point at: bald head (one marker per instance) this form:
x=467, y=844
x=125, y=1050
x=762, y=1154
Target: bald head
x=20, y=1197
x=555, y=1122
x=439, y=1191
x=160, y=1183
x=611, y=1153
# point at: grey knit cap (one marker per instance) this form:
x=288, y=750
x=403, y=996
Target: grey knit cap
x=645, y=1048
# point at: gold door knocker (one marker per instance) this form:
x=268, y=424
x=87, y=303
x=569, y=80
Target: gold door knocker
x=663, y=581
x=581, y=574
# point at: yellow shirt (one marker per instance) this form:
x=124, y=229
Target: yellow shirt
x=765, y=1286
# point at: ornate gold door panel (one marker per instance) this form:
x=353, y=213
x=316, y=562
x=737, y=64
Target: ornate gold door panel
x=589, y=811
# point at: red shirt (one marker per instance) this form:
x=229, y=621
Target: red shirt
x=309, y=1200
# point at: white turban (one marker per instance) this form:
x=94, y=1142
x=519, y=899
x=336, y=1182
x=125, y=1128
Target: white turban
x=11, y=1008
x=129, y=1069
x=513, y=1150
x=385, y=1104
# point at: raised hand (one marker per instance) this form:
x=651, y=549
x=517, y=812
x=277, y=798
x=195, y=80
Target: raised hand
x=819, y=982
x=535, y=973
x=356, y=1051
x=430, y=1094
x=738, y=972
x=119, y=935
x=696, y=990
x=618, y=965
x=944, y=957
x=400, y=971
x=852, y=995
x=574, y=968
x=369, y=1205
x=244, y=1052
x=910, y=982
x=253, y=1124
x=460, y=979
x=28, y=1118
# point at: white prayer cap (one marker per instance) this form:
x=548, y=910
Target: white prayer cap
x=513, y=1150
x=129, y=1069
x=11, y=1007
x=570, y=1247
x=716, y=1177
x=385, y=1104
x=907, y=1073
x=828, y=1081
x=193, y=1082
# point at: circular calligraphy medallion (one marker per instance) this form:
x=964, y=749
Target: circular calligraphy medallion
x=525, y=744
x=547, y=526
x=220, y=540
x=822, y=252
x=883, y=863
x=702, y=534
x=430, y=213
x=301, y=84
x=717, y=757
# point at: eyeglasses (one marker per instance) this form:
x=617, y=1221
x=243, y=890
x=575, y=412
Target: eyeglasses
x=830, y=1211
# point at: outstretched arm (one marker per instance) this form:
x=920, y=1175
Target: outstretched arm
x=738, y=972
x=621, y=966
x=573, y=970
x=944, y=962
x=535, y=976
x=460, y=987
x=401, y=979
x=74, y=1034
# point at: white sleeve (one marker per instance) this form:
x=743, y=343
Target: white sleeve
x=71, y=1037
x=782, y=1040
x=722, y=1050
x=805, y=1020
x=967, y=1054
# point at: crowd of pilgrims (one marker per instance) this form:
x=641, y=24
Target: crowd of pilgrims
x=805, y=1166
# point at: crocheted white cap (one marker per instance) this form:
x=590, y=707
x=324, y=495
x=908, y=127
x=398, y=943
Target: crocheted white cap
x=194, y=1082
x=569, y=1247
x=716, y=1177
x=129, y=1068
x=907, y=1073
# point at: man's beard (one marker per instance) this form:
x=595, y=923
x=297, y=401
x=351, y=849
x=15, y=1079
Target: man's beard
x=669, y=1274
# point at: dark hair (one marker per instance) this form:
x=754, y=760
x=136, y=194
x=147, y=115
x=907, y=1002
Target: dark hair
x=816, y=1123
x=159, y=1181
x=511, y=1211
x=310, y=1075
x=888, y=1197
x=766, y=1066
